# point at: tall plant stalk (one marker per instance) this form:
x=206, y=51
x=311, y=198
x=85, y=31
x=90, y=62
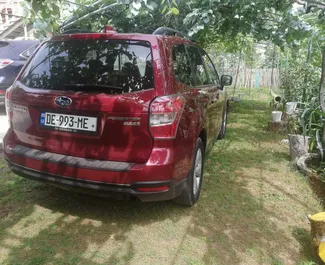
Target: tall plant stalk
x=322, y=83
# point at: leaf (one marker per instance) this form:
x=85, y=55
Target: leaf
x=174, y=10
x=312, y=145
x=135, y=12
x=136, y=5
x=151, y=7
x=164, y=10
x=55, y=9
x=206, y=20
x=174, y=2
x=320, y=113
x=163, y=2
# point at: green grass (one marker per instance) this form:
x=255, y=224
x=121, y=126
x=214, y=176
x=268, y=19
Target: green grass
x=252, y=210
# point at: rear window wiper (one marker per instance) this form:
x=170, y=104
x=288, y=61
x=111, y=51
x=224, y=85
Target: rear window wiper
x=91, y=87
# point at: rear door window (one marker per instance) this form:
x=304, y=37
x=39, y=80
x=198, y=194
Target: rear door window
x=110, y=66
x=27, y=53
x=213, y=75
x=199, y=74
x=182, y=68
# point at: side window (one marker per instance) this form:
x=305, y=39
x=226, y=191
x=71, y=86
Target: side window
x=182, y=68
x=210, y=69
x=27, y=53
x=199, y=73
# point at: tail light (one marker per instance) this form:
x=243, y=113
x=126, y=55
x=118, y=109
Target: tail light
x=165, y=115
x=5, y=62
x=8, y=104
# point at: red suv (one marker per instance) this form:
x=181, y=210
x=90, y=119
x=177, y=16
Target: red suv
x=130, y=115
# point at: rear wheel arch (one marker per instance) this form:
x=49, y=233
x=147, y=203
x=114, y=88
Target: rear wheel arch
x=203, y=136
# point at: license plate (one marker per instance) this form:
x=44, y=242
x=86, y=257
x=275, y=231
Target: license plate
x=69, y=123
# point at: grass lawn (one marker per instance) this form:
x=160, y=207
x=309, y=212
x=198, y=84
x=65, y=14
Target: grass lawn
x=252, y=210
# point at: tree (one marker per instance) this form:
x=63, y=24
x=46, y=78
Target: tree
x=207, y=20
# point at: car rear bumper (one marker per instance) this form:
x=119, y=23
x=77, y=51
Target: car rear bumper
x=161, y=178
x=119, y=191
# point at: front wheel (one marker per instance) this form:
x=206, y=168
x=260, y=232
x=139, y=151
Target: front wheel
x=191, y=193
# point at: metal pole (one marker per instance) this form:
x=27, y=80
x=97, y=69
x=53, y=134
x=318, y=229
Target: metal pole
x=8, y=14
x=25, y=31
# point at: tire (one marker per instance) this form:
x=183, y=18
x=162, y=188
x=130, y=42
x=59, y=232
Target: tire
x=191, y=193
x=223, y=130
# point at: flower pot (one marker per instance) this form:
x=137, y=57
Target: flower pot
x=299, y=145
x=276, y=116
x=291, y=107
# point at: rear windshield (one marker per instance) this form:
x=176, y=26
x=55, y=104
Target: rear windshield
x=110, y=66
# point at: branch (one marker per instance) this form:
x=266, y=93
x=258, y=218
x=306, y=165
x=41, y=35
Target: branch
x=316, y=2
x=304, y=2
x=299, y=2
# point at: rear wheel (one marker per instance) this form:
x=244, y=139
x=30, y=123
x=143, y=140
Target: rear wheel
x=191, y=193
x=223, y=130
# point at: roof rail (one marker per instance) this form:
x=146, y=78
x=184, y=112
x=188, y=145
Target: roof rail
x=75, y=31
x=171, y=32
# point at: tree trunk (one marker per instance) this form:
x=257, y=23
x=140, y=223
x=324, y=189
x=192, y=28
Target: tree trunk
x=237, y=73
x=298, y=146
x=287, y=61
x=322, y=83
x=277, y=127
x=317, y=223
x=273, y=61
x=310, y=47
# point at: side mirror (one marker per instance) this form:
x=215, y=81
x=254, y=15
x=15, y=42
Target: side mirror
x=226, y=80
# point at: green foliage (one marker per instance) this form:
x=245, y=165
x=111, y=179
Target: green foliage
x=208, y=20
x=297, y=79
x=294, y=125
x=291, y=83
x=312, y=121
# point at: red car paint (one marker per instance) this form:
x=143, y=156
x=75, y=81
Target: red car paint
x=159, y=158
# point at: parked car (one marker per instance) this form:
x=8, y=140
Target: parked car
x=13, y=56
x=126, y=115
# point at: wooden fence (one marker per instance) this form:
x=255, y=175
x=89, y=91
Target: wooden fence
x=254, y=78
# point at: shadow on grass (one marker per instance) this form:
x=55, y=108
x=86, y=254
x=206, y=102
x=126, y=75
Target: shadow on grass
x=318, y=187
x=228, y=219
x=304, y=238
x=46, y=225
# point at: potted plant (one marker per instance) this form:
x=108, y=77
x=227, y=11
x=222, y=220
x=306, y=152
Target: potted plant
x=277, y=105
x=276, y=116
x=291, y=107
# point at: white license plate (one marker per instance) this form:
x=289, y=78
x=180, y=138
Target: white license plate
x=70, y=123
